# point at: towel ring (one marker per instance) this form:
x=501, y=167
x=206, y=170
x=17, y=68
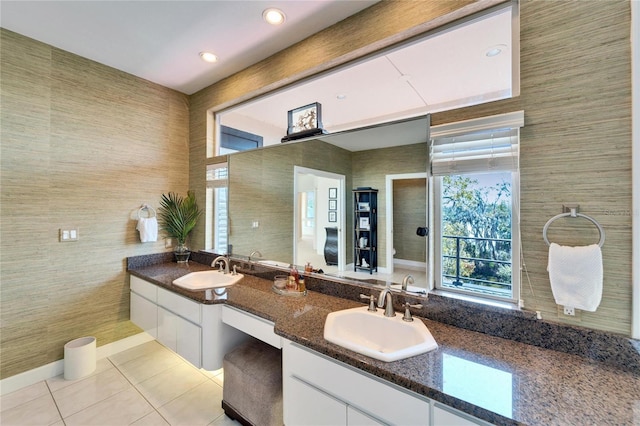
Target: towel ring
x=573, y=214
x=150, y=209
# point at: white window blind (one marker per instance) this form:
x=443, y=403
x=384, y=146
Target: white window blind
x=480, y=145
x=217, y=173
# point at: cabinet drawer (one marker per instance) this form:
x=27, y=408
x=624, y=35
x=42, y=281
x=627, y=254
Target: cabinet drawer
x=312, y=407
x=252, y=325
x=447, y=416
x=144, y=314
x=381, y=400
x=143, y=288
x=179, y=305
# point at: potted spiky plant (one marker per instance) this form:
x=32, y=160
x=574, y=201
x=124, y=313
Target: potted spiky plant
x=178, y=216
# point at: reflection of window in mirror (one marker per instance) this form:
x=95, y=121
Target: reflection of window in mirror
x=310, y=210
x=216, y=217
x=235, y=140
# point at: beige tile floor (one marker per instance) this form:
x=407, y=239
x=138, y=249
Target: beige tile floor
x=145, y=385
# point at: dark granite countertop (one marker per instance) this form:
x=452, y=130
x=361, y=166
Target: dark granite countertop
x=495, y=379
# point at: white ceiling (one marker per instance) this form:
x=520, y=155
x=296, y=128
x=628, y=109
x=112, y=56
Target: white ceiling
x=445, y=70
x=160, y=41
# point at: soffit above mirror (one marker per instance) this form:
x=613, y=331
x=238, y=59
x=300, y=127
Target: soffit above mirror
x=449, y=69
x=398, y=133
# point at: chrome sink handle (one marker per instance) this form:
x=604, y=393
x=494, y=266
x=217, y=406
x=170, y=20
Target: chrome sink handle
x=406, y=281
x=221, y=261
x=385, y=298
x=372, y=302
x=407, y=313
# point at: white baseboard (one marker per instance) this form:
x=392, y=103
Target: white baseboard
x=56, y=368
x=410, y=264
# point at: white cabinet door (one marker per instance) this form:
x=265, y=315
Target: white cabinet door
x=188, y=342
x=144, y=288
x=447, y=418
x=144, y=314
x=179, y=305
x=310, y=407
x=168, y=328
x=372, y=395
x=358, y=418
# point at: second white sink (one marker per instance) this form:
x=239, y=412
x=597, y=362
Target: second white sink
x=203, y=280
x=374, y=335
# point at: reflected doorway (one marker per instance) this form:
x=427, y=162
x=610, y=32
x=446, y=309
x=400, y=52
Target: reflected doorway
x=319, y=219
x=406, y=211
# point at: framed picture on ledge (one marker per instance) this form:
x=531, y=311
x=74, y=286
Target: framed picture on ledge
x=303, y=122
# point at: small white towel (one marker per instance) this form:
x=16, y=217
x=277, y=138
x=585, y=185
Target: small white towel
x=148, y=228
x=576, y=276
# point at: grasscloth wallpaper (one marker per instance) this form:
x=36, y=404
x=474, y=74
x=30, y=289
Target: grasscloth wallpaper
x=83, y=145
x=575, y=146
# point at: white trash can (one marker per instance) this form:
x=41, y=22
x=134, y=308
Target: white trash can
x=79, y=358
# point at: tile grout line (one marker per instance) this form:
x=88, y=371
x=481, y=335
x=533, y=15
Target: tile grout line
x=208, y=377
x=149, y=402
x=139, y=393
x=54, y=401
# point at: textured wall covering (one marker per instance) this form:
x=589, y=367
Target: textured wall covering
x=410, y=212
x=261, y=189
x=83, y=145
x=575, y=147
x=366, y=32
x=370, y=168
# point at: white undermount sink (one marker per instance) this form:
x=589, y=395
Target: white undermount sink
x=203, y=280
x=374, y=335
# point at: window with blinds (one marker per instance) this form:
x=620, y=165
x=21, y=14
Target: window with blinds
x=493, y=150
x=217, y=177
x=474, y=168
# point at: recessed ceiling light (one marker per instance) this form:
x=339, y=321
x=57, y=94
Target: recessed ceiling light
x=341, y=97
x=273, y=16
x=495, y=50
x=208, y=57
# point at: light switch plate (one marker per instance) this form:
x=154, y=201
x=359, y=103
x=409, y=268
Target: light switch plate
x=68, y=235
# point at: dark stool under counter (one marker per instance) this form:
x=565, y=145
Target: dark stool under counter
x=252, y=391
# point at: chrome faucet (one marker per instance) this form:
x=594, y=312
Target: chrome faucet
x=222, y=259
x=255, y=252
x=407, y=280
x=385, y=300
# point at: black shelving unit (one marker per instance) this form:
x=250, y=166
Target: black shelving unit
x=365, y=236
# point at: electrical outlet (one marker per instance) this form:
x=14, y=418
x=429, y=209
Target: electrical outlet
x=569, y=311
x=168, y=243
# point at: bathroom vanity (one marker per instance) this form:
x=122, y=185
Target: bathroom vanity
x=191, y=329
x=472, y=378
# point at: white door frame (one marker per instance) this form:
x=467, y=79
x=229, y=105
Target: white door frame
x=297, y=170
x=389, y=210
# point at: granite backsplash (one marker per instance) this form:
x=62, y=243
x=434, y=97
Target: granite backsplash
x=513, y=324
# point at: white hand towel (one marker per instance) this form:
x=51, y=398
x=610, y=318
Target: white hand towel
x=576, y=276
x=148, y=228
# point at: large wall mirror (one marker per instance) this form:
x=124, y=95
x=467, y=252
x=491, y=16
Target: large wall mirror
x=375, y=112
